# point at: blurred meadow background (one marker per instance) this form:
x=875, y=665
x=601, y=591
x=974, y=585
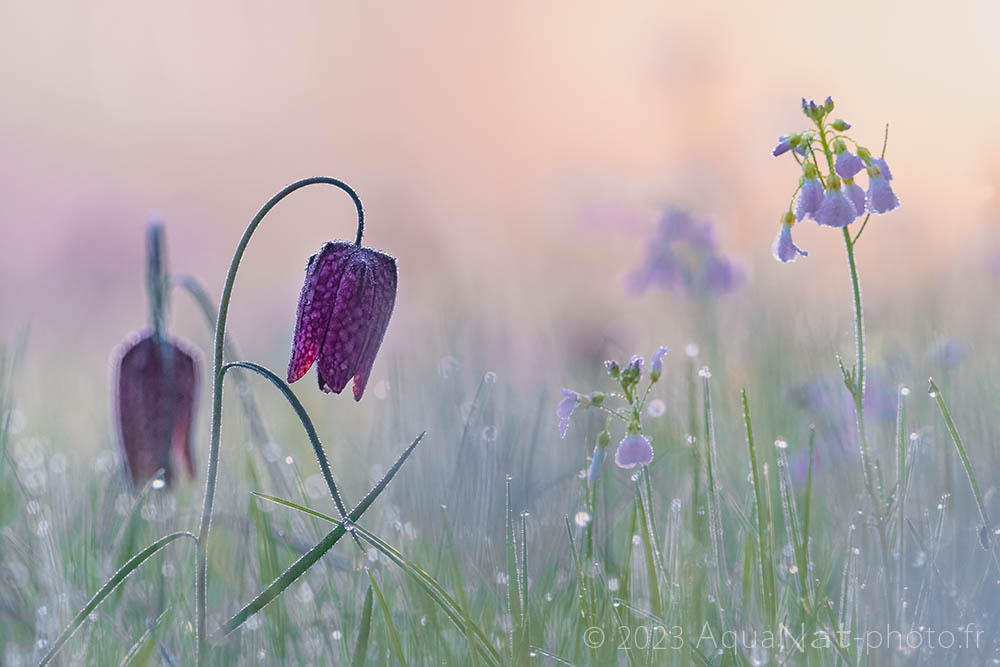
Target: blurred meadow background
x=517, y=159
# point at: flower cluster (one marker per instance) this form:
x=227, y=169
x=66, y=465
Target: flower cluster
x=683, y=253
x=634, y=448
x=832, y=197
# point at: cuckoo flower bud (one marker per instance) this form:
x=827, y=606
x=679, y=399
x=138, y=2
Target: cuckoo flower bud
x=783, y=249
x=656, y=365
x=155, y=388
x=614, y=370
x=343, y=312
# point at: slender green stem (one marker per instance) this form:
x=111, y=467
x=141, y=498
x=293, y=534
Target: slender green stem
x=211, y=476
x=858, y=378
x=156, y=283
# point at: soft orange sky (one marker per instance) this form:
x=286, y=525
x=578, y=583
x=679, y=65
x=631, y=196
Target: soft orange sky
x=479, y=135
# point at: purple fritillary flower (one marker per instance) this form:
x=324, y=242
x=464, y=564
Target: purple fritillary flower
x=848, y=164
x=633, y=450
x=881, y=198
x=656, y=365
x=856, y=194
x=343, y=312
x=810, y=198
x=565, y=409
x=882, y=167
x=836, y=209
x=155, y=389
x=783, y=249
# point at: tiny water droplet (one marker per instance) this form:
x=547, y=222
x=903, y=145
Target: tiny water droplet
x=704, y=372
x=781, y=444
x=582, y=518
x=904, y=390
x=489, y=433
x=289, y=460
x=490, y=377
x=158, y=483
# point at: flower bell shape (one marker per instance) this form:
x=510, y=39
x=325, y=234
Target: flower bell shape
x=836, y=209
x=783, y=249
x=847, y=164
x=810, y=195
x=856, y=194
x=343, y=312
x=155, y=389
x=634, y=450
x=881, y=198
x=564, y=410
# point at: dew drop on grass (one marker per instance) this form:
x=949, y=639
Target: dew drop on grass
x=781, y=444
x=289, y=460
x=613, y=584
x=490, y=377
x=336, y=635
x=704, y=372
x=42, y=530
x=793, y=569
x=656, y=408
x=582, y=518
x=158, y=483
x=636, y=540
x=548, y=597
x=904, y=390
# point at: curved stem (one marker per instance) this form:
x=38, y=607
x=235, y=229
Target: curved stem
x=307, y=424
x=201, y=566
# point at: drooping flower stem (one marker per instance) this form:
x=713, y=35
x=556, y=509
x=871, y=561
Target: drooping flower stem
x=218, y=374
x=156, y=279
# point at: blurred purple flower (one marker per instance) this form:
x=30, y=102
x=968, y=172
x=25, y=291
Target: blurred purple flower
x=810, y=198
x=597, y=462
x=565, y=409
x=948, y=352
x=633, y=450
x=848, y=164
x=783, y=249
x=343, y=313
x=155, y=386
x=881, y=198
x=836, y=209
x=683, y=254
x=856, y=194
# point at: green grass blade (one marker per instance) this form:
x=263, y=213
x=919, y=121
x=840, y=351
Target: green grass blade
x=433, y=589
x=141, y=652
x=763, y=520
x=364, y=632
x=130, y=566
x=936, y=394
x=395, y=645
x=307, y=559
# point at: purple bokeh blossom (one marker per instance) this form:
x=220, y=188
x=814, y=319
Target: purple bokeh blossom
x=683, y=254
